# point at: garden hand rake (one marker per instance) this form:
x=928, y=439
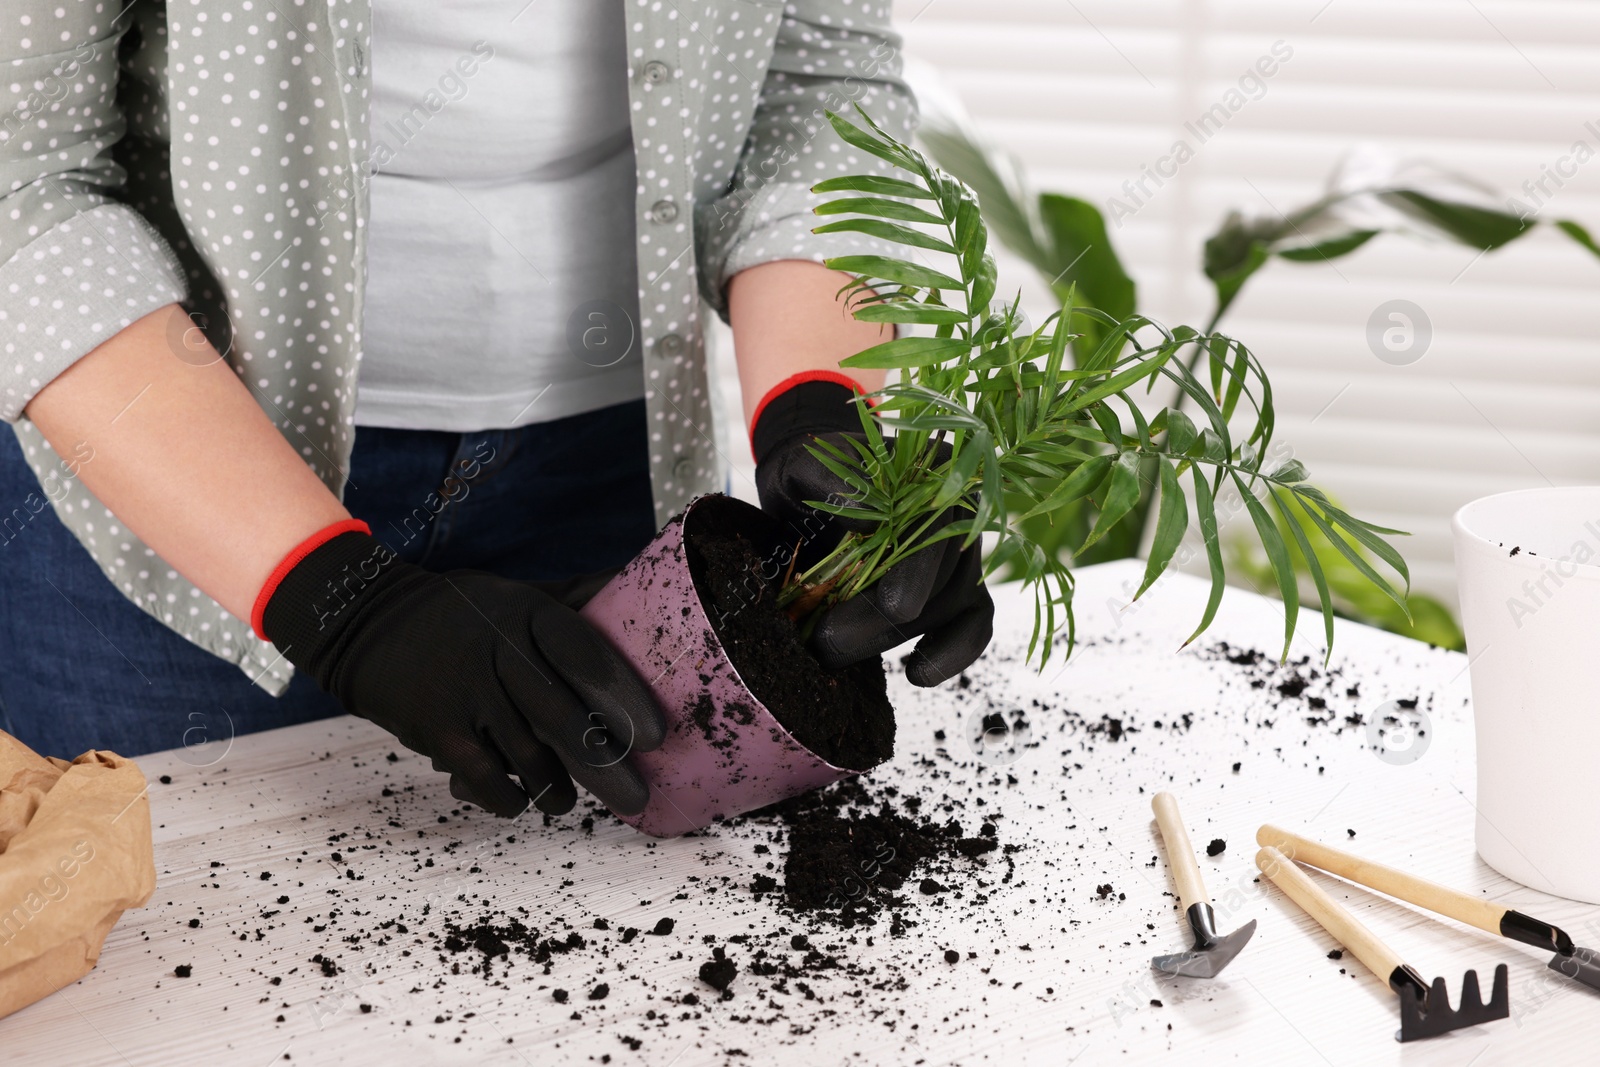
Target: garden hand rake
x=1579, y=964
x=1211, y=952
x=1424, y=1011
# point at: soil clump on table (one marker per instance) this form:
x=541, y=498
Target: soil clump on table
x=853, y=850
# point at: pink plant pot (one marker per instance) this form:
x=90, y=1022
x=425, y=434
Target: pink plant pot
x=724, y=752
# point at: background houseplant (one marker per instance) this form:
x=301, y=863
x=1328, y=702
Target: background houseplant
x=1066, y=241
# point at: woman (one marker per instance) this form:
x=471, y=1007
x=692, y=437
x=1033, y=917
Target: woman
x=509, y=213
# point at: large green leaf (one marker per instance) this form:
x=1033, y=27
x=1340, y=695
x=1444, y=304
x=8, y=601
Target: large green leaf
x=1342, y=245
x=1122, y=493
x=1080, y=483
x=1171, y=522
x=1305, y=558
x=1479, y=227
x=910, y=311
x=1083, y=256
x=906, y=352
x=1206, y=511
x=983, y=283
x=888, y=231
x=1352, y=554
x=877, y=146
x=894, y=270
x=873, y=184
x=1278, y=557
x=1578, y=234
x=879, y=207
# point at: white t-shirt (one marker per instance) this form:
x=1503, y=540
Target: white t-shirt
x=501, y=285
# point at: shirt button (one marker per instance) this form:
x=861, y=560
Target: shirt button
x=663, y=211
x=682, y=469
x=670, y=345
x=656, y=72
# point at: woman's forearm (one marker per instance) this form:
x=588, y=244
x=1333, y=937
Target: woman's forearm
x=184, y=457
x=787, y=317
x=187, y=460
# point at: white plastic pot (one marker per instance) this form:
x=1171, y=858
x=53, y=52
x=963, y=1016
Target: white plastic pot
x=1528, y=567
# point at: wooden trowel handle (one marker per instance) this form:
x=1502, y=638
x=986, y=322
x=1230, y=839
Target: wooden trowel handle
x=1483, y=914
x=1180, y=854
x=1345, y=928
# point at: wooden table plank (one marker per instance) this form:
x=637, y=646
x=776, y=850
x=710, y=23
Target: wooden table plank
x=1077, y=799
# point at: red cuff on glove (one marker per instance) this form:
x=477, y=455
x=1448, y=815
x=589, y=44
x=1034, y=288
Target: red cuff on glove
x=298, y=553
x=798, y=417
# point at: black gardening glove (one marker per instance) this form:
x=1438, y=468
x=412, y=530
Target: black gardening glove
x=488, y=677
x=937, y=593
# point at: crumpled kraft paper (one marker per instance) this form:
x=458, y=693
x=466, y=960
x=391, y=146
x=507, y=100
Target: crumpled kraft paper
x=75, y=851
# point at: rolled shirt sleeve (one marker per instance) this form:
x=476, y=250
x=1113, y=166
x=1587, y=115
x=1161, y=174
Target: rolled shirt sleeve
x=76, y=264
x=74, y=286
x=829, y=55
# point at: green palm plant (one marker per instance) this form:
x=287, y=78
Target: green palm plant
x=1066, y=241
x=1030, y=430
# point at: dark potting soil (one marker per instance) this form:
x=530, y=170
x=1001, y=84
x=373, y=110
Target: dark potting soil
x=853, y=852
x=842, y=715
x=719, y=971
x=498, y=939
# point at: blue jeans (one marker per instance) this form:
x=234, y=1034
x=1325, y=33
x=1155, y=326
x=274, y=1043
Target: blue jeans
x=81, y=667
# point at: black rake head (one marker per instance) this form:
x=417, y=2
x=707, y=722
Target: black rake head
x=1430, y=1015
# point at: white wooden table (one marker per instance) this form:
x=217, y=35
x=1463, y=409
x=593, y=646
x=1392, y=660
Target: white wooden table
x=1083, y=991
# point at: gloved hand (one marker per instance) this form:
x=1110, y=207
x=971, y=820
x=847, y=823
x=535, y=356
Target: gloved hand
x=487, y=676
x=937, y=593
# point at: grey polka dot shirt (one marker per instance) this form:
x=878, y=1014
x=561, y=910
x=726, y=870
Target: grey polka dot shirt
x=217, y=152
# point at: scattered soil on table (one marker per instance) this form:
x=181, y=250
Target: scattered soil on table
x=439, y=918
x=1300, y=687
x=828, y=875
x=842, y=715
x=498, y=939
x=1217, y=847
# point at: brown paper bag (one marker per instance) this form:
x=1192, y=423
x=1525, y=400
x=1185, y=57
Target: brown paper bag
x=75, y=850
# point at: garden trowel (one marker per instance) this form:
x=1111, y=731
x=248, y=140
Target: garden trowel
x=1211, y=951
